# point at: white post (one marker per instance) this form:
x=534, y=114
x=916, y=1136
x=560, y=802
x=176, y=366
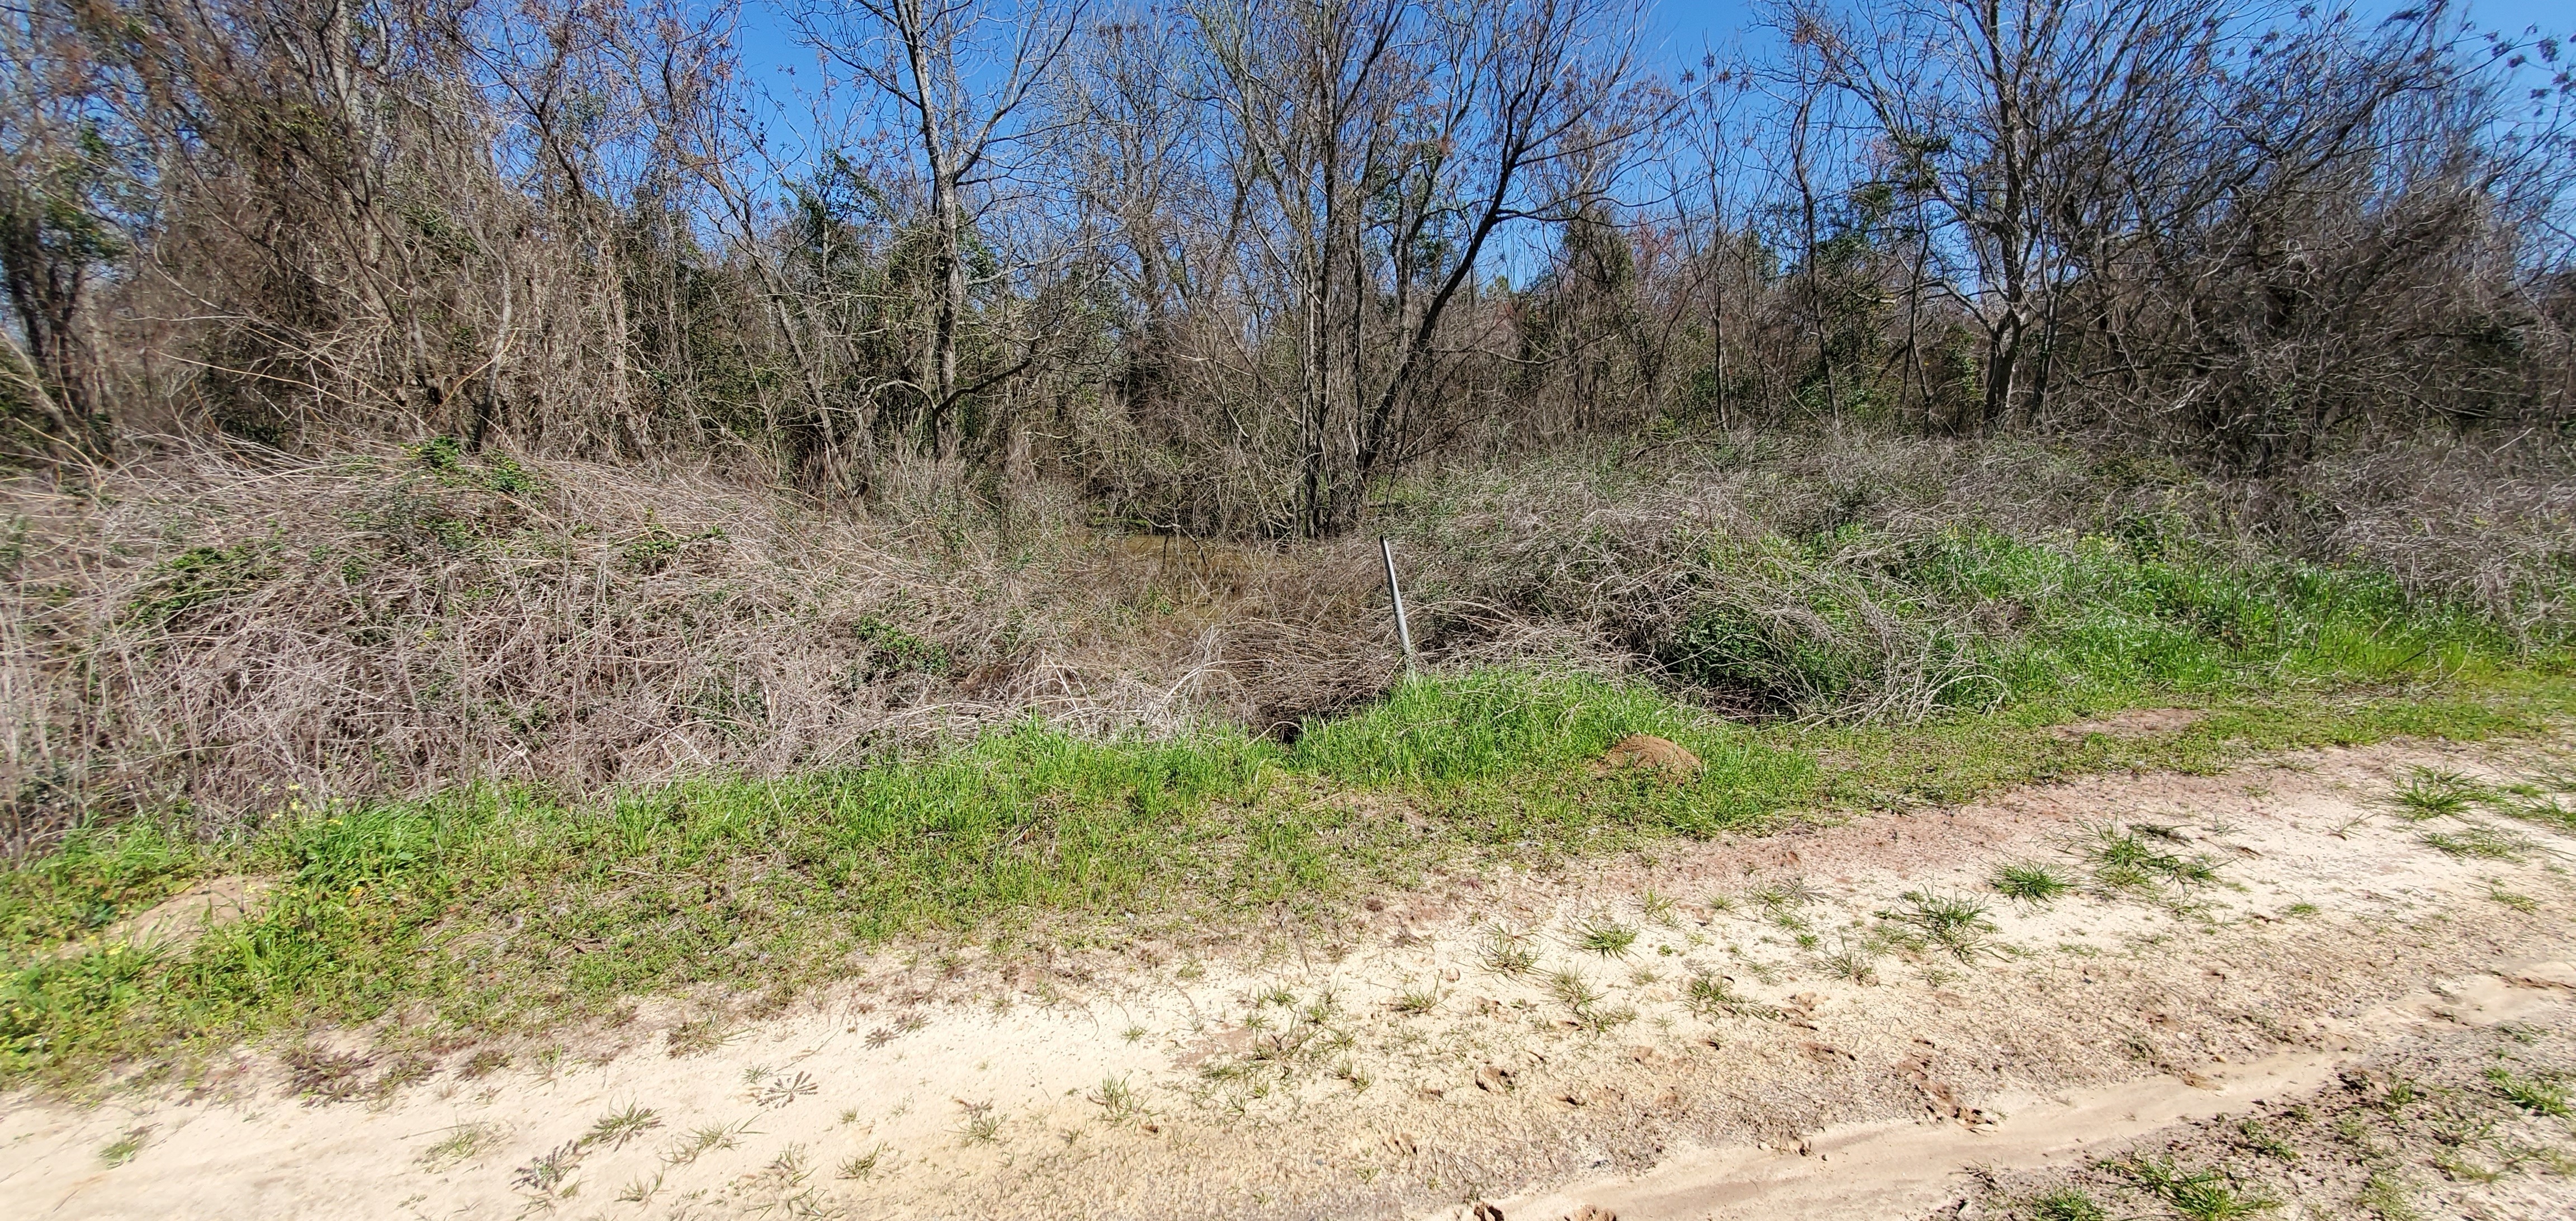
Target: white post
x=1395, y=593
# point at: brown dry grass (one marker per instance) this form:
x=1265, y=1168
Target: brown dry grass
x=220, y=626
x=214, y=625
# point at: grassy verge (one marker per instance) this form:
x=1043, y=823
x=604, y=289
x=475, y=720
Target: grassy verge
x=497, y=909
x=490, y=910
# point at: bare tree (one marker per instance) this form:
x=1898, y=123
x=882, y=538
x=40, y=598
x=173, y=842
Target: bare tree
x=1392, y=142
x=61, y=179
x=936, y=61
x=1977, y=100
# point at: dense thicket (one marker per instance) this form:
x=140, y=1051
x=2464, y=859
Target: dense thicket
x=1227, y=268
x=397, y=384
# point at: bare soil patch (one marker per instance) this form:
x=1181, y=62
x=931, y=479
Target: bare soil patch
x=2133, y=723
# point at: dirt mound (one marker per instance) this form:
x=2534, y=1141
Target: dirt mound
x=1648, y=753
x=174, y=922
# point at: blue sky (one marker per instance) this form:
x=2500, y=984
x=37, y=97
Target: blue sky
x=1685, y=24
x=1680, y=27
x=1679, y=31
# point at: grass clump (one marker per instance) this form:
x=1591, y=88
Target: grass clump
x=620, y=1126
x=2438, y=794
x=1710, y=997
x=2477, y=841
x=864, y=1165
x=1601, y=935
x=2067, y=1204
x=1507, y=953
x=122, y=1150
x=1956, y=924
x=2140, y=856
x=2540, y=1097
x=2029, y=882
x=2385, y=1195
x=1853, y=961
x=462, y=1143
x=2199, y=1195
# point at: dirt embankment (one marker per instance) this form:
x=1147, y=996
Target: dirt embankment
x=1843, y=1022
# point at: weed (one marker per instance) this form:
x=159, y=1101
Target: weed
x=1957, y=924
x=325, y=1076
x=779, y=1091
x=550, y=1170
x=1656, y=907
x=2123, y=859
x=618, y=1127
x=2067, y=1204
x=2386, y=1198
x=640, y=1191
x=2477, y=840
x=1712, y=996
x=2541, y=801
x=1854, y=962
x=1785, y=895
x=2030, y=883
x=695, y=1037
x=1417, y=1001
x=2437, y=794
x=463, y=1143
x=1118, y=1099
x=2457, y=1165
x=706, y=1139
x=122, y=1150
x=2518, y=902
x=1132, y=1034
x=2199, y=1195
x=2536, y=1096
x=780, y=1186
x=1600, y=1019
x=1507, y=953
x=2262, y=1140
x=864, y=1165
x=1574, y=991
x=1599, y=934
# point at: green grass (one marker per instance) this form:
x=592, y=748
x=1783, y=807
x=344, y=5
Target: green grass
x=2140, y=856
x=1956, y=924
x=1854, y=618
x=2030, y=882
x=2199, y=1195
x=2067, y=1204
x=2536, y=1096
x=488, y=909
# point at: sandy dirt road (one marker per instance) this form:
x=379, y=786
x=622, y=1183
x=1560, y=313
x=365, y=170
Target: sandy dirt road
x=1835, y=1022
